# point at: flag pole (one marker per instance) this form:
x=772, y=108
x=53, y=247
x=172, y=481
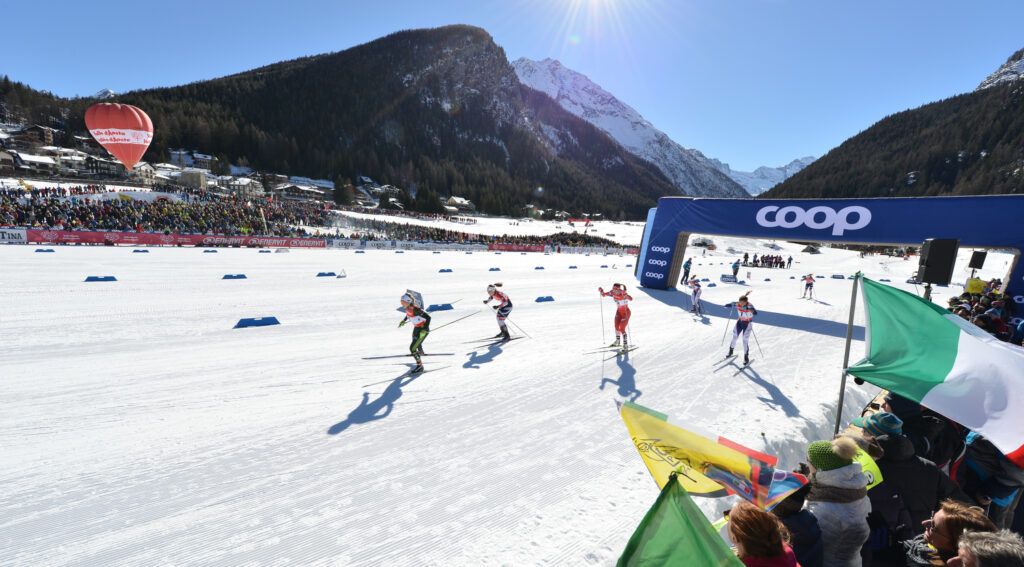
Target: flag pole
x=846, y=354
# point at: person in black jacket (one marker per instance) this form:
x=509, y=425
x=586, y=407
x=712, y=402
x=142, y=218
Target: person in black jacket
x=804, y=532
x=918, y=481
x=935, y=437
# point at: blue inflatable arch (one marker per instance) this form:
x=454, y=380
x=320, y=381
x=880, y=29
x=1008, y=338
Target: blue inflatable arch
x=978, y=222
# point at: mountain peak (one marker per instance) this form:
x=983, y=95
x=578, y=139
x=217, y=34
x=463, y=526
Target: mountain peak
x=688, y=170
x=1012, y=70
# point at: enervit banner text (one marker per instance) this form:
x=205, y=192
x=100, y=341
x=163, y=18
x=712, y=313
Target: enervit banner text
x=516, y=247
x=884, y=221
x=158, y=239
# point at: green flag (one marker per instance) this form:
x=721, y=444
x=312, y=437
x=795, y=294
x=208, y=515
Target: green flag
x=923, y=352
x=675, y=532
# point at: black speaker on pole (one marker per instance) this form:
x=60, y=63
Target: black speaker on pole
x=937, y=258
x=977, y=260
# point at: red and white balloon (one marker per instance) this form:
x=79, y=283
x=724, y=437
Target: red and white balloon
x=124, y=130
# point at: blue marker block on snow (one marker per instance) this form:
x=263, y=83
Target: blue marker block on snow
x=326, y=275
x=884, y=280
x=234, y=277
x=440, y=307
x=364, y=252
x=436, y=252
x=399, y=251
x=539, y=268
x=44, y=249
x=256, y=322
x=767, y=279
x=838, y=277
x=494, y=270
x=573, y=268
x=444, y=270
x=705, y=280
x=264, y=251
x=712, y=284
x=140, y=251
x=209, y=251
x=604, y=265
x=544, y=298
x=100, y=279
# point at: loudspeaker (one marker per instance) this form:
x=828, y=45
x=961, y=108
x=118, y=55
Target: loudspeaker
x=937, y=258
x=977, y=260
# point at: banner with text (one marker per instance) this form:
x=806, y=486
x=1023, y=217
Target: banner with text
x=159, y=239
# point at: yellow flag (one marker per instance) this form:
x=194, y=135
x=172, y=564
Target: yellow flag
x=704, y=466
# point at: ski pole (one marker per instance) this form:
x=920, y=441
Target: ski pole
x=518, y=327
x=757, y=342
x=727, y=319
x=601, y=299
x=456, y=321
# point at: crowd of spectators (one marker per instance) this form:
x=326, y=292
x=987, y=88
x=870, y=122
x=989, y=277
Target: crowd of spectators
x=903, y=486
x=198, y=214
x=92, y=207
x=990, y=310
x=766, y=261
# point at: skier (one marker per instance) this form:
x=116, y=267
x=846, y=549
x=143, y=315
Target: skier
x=695, y=296
x=744, y=325
x=621, y=299
x=789, y=263
x=686, y=270
x=501, y=310
x=808, y=286
x=421, y=328
x=735, y=268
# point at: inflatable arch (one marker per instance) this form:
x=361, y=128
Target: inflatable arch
x=990, y=221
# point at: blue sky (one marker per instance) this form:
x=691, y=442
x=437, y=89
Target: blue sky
x=749, y=82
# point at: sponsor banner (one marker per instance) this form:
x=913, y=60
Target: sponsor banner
x=902, y=220
x=158, y=239
x=727, y=278
x=516, y=247
x=13, y=236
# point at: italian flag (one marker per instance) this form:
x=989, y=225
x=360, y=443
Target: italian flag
x=925, y=353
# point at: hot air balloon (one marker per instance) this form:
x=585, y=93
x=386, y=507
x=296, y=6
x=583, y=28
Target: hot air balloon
x=123, y=129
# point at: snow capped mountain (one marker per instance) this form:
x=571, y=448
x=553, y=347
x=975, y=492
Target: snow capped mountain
x=687, y=169
x=1012, y=70
x=105, y=93
x=763, y=178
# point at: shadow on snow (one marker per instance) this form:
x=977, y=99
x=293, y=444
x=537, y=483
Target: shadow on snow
x=627, y=378
x=681, y=300
x=380, y=408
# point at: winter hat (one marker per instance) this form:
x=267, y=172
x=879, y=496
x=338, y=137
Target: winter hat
x=831, y=455
x=881, y=423
x=902, y=407
x=992, y=311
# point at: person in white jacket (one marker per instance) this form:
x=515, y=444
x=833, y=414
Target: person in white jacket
x=839, y=499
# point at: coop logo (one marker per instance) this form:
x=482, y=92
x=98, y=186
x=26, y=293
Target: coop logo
x=654, y=275
x=816, y=218
x=660, y=249
x=654, y=262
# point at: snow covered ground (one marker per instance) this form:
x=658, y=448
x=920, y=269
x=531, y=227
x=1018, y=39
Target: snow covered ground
x=140, y=428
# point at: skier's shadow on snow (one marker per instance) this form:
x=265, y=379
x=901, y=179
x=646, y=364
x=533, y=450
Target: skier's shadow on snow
x=681, y=300
x=380, y=408
x=627, y=379
x=475, y=360
x=777, y=399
